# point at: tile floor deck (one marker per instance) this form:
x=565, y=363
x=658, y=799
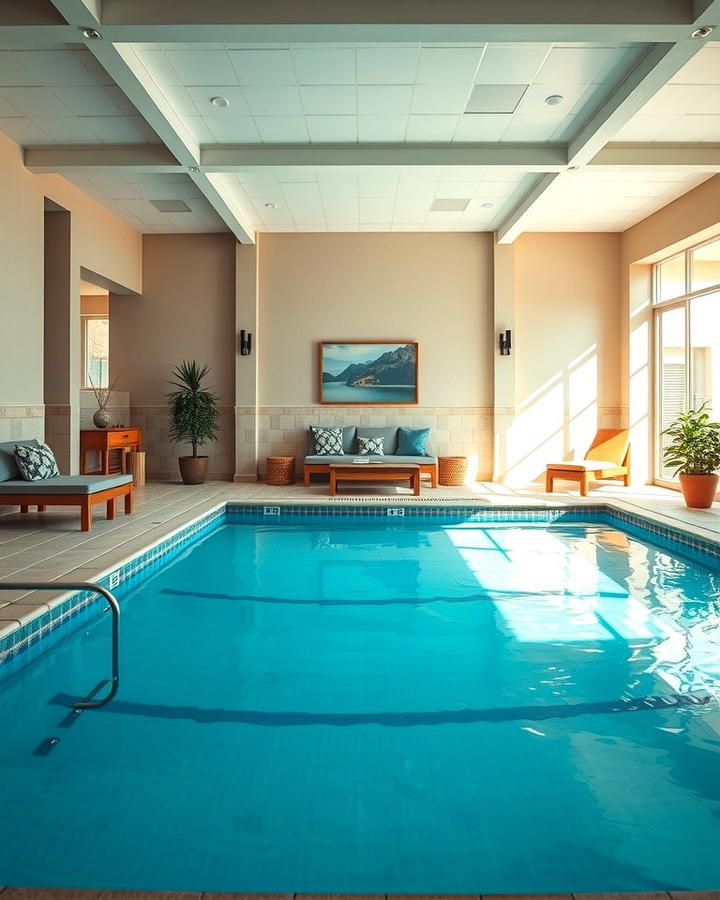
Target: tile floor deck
x=50, y=547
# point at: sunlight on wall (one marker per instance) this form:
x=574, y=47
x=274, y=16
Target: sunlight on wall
x=639, y=374
x=556, y=422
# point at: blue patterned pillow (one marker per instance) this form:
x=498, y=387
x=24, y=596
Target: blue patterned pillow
x=371, y=446
x=413, y=442
x=36, y=463
x=326, y=441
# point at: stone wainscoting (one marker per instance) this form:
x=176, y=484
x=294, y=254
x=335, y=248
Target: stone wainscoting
x=161, y=461
x=20, y=422
x=455, y=431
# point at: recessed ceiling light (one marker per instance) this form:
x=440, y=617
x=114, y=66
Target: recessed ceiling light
x=193, y=169
x=271, y=205
x=91, y=34
x=554, y=99
x=702, y=32
x=220, y=102
x=487, y=205
x=573, y=168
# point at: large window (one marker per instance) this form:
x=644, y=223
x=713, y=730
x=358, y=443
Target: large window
x=687, y=338
x=95, y=344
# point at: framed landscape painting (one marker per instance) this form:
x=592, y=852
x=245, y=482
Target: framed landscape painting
x=368, y=372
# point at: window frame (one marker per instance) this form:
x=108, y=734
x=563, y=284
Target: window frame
x=658, y=307
x=84, y=319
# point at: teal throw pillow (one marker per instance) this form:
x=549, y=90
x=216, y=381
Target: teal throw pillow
x=412, y=442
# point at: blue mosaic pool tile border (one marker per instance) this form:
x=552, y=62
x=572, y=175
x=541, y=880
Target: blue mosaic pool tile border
x=79, y=606
x=54, y=619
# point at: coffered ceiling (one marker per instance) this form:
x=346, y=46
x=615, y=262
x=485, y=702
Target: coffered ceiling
x=288, y=117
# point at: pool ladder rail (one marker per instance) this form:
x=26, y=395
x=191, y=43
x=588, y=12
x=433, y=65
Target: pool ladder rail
x=114, y=607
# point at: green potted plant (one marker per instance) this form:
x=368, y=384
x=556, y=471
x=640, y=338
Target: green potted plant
x=193, y=418
x=694, y=453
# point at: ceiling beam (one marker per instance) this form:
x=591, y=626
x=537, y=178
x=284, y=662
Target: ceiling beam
x=658, y=157
x=659, y=64
x=123, y=159
x=254, y=157
x=461, y=21
x=127, y=71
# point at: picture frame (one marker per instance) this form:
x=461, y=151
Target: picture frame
x=368, y=373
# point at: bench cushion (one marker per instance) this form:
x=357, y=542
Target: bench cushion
x=584, y=465
x=341, y=460
x=64, y=484
x=8, y=463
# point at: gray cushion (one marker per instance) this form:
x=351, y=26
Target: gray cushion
x=387, y=433
x=348, y=438
x=8, y=465
x=329, y=460
x=64, y=484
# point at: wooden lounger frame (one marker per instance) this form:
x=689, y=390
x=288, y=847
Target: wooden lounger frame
x=84, y=501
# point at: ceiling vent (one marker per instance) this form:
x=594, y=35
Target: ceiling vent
x=169, y=206
x=495, y=98
x=450, y=205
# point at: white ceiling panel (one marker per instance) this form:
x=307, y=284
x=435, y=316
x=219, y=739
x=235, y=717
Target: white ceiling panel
x=381, y=129
x=332, y=129
x=273, y=100
x=322, y=65
x=263, y=67
x=63, y=67
x=387, y=65
x=201, y=98
x=511, y=64
x=198, y=67
x=282, y=129
x=439, y=99
x=335, y=99
x=431, y=129
x=441, y=65
x=34, y=101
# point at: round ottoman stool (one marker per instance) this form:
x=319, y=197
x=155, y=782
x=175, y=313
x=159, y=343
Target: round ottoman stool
x=452, y=470
x=280, y=470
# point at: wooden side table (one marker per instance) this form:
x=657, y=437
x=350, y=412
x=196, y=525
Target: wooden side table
x=103, y=440
x=452, y=470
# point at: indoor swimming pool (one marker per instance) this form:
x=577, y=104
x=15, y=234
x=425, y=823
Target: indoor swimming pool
x=362, y=704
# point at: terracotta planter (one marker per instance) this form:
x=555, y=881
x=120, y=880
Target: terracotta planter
x=699, y=490
x=193, y=469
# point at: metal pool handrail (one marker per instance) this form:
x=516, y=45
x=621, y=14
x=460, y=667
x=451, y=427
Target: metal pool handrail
x=114, y=608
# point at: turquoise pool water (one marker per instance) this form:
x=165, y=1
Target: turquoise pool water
x=351, y=705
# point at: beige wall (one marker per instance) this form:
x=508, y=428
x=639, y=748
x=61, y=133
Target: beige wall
x=433, y=288
x=690, y=219
x=186, y=311
x=564, y=369
x=100, y=242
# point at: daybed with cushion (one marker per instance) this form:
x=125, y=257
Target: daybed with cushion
x=396, y=442
x=84, y=491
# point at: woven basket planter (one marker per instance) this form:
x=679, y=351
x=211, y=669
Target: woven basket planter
x=280, y=470
x=452, y=470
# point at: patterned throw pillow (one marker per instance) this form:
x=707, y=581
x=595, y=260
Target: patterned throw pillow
x=36, y=463
x=326, y=441
x=368, y=446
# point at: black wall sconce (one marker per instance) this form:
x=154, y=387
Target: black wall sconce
x=505, y=342
x=245, y=343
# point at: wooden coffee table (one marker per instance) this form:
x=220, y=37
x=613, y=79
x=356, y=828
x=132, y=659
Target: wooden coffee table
x=409, y=472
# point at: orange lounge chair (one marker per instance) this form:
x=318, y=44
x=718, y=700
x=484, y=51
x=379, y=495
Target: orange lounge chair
x=608, y=457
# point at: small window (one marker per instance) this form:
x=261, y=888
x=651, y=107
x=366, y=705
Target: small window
x=671, y=278
x=705, y=266
x=95, y=351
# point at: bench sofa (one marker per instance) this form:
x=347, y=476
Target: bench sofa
x=84, y=491
x=321, y=464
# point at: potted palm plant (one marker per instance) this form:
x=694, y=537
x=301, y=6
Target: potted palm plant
x=694, y=453
x=193, y=417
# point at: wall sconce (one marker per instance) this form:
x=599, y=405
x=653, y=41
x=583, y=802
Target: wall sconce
x=505, y=342
x=245, y=343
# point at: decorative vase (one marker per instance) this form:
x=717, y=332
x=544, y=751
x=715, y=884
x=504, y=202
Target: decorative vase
x=193, y=469
x=101, y=418
x=699, y=490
